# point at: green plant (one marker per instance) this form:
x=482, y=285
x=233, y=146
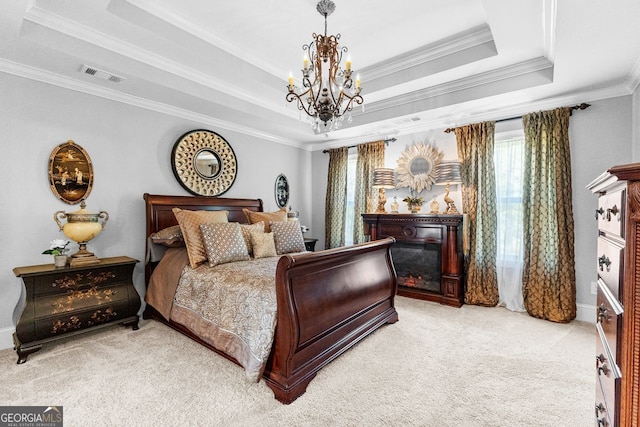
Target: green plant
x=57, y=247
x=410, y=200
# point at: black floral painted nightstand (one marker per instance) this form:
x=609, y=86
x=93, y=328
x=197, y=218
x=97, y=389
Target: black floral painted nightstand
x=61, y=302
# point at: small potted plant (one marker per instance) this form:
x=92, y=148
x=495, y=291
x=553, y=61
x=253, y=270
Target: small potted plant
x=414, y=203
x=58, y=249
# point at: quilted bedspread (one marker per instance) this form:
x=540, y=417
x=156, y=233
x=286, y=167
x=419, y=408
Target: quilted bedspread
x=232, y=307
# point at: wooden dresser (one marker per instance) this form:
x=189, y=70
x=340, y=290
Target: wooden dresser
x=61, y=302
x=618, y=298
x=427, y=254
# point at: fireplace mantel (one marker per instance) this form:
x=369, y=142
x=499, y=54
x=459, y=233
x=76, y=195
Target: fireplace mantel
x=427, y=254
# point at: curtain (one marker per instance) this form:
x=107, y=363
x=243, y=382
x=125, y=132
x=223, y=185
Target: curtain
x=549, y=283
x=370, y=156
x=335, y=202
x=509, y=164
x=475, y=151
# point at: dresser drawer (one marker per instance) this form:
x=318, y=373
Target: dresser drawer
x=608, y=375
x=610, y=212
x=609, y=317
x=80, y=280
x=610, y=264
x=81, y=300
x=71, y=322
x=602, y=409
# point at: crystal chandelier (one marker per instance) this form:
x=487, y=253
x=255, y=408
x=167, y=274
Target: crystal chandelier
x=328, y=92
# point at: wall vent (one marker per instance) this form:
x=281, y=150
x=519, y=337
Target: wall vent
x=92, y=71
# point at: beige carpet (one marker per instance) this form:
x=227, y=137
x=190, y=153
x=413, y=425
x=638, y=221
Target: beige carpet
x=438, y=366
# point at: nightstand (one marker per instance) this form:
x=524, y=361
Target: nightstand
x=61, y=302
x=310, y=243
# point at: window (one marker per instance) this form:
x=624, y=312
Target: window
x=508, y=159
x=351, y=197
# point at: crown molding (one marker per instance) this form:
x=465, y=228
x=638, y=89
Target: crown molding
x=531, y=66
x=448, y=46
x=37, y=74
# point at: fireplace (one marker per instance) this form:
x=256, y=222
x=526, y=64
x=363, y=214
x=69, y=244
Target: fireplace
x=427, y=254
x=417, y=265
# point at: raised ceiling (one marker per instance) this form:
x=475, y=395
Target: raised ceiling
x=424, y=64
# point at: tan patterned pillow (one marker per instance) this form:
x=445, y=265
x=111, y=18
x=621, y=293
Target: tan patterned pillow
x=190, y=225
x=246, y=229
x=170, y=237
x=254, y=217
x=224, y=243
x=263, y=245
x=287, y=236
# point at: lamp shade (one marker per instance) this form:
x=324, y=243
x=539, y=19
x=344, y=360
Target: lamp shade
x=448, y=173
x=383, y=178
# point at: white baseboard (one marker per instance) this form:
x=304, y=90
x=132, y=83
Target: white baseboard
x=586, y=313
x=6, y=338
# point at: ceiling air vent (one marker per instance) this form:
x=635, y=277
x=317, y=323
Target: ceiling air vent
x=92, y=71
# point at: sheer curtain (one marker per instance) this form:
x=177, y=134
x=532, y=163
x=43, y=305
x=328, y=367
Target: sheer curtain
x=509, y=165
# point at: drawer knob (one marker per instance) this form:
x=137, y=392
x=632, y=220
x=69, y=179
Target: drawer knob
x=614, y=210
x=603, y=313
x=601, y=365
x=604, y=261
x=600, y=212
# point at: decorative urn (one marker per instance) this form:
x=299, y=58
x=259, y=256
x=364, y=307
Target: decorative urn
x=81, y=227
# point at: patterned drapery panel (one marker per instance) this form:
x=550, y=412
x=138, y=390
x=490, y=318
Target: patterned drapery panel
x=370, y=156
x=549, y=282
x=475, y=151
x=335, y=208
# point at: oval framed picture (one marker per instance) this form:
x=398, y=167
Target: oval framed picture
x=70, y=173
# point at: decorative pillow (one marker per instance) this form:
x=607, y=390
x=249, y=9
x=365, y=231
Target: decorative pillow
x=246, y=229
x=288, y=237
x=254, y=217
x=263, y=245
x=170, y=237
x=224, y=243
x=190, y=225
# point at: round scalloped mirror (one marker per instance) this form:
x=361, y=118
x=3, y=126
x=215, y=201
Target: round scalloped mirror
x=417, y=167
x=204, y=163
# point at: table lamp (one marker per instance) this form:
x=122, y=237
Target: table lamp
x=383, y=178
x=448, y=173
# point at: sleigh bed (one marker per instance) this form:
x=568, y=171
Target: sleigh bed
x=325, y=301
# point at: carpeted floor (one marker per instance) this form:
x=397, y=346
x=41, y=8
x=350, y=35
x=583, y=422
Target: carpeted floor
x=438, y=366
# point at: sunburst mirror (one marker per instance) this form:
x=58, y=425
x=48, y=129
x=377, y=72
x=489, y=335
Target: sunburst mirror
x=417, y=167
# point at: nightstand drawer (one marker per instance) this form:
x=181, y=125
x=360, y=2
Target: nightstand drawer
x=72, y=281
x=71, y=322
x=82, y=299
x=610, y=213
x=610, y=264
x=608, y=319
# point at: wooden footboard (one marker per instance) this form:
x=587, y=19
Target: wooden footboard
x=327, y=302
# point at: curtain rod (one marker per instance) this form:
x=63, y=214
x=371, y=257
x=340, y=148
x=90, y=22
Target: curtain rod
x=582, y=106
x=386, y=141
